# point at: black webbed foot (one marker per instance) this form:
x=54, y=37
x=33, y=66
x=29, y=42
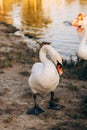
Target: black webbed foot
x=55, y=106
x=36, y=110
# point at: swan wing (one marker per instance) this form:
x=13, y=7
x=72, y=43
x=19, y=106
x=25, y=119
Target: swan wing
x=44, y=76
x=43, y=79
x=37, y=67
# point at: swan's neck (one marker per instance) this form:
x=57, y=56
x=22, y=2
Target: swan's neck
x=43, y=56
x=49, y=55
x=84, y=37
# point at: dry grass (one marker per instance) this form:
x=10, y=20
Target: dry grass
x=76, y=69
x=16, y=96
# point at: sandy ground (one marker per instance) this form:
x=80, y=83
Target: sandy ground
x=16, y=96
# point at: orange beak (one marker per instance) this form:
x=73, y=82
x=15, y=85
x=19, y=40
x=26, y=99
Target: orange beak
x=80, y=29
x=60, y=70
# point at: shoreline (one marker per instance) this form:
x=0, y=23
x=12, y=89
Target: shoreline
x=16, y=60
x=13, y=48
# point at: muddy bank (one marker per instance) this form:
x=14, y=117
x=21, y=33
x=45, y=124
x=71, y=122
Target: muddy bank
x=13, y=48
x=16, y=60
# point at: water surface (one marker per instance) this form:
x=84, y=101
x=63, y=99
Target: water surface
x=45, y=19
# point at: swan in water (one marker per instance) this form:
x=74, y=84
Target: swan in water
x=45, y=77
x=82, y=50
x=79, y=21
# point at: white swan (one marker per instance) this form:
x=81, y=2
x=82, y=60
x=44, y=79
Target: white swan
x=82, y=50
x=45, y=76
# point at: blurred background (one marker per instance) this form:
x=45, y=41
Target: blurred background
x=47, y=20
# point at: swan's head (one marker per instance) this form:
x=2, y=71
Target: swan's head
x=57, y=60
x=49, y=52
x=80, y=16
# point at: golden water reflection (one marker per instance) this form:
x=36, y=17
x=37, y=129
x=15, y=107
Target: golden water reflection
x=29, y=12
x=45, y=19
x=35, y=13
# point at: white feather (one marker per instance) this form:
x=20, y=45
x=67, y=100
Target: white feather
x=44, y=76
x=82, y=50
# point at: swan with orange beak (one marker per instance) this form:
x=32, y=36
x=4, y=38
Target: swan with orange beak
x=45, y=76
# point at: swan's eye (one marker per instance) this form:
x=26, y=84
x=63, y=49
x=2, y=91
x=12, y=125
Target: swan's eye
x=48, y=56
